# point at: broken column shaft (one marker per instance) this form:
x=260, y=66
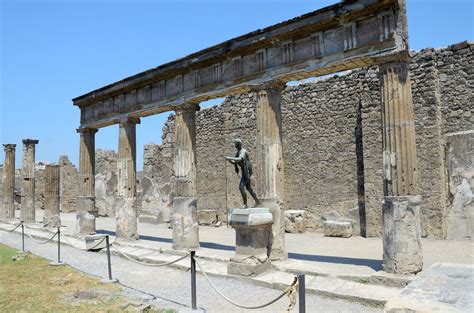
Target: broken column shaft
x=126, y=212
x=401, y=210
x=86, y=212
x=51, y=191
x=8, y=211
x=270, y=162
x=184, y=221
x=27, y=213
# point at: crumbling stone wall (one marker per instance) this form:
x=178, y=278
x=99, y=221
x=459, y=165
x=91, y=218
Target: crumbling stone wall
x=68, y=184
x=39, y=184
x=105, y=182
x=157, y=178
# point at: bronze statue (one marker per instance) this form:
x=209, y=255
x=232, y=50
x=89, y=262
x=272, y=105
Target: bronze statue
x=242, y=159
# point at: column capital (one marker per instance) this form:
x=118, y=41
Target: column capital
x=187, y=107
x=86, y=130
x=399, y=64
x=9, y=147
x=30, y=141
x=129, y=120
x=271, y=85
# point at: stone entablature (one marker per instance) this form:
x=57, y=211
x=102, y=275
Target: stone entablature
x=343, y=36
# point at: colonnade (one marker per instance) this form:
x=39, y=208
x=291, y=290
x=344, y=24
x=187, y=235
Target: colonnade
x=401, y=204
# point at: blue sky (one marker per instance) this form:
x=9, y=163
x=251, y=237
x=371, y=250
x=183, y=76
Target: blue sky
x=54, y=50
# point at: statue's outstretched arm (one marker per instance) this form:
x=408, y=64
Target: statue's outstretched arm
x=233, y=160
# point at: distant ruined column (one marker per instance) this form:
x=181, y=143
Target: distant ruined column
x=51, y=216
x=401, y=210
x=270, y=162
x=8, y=208
x=126, y=210
x=27, y=213
x=85, y=211
x=184, y=220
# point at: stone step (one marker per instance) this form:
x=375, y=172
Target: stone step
x=375, y=295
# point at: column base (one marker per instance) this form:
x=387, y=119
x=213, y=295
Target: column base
x=85, y=217
x=253, y=229
x=277, y=240
x=126, y=218
x=184, y=223
x=109, y=281
x=402, y=253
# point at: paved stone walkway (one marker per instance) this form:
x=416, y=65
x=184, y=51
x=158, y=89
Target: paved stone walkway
x=307, y=251
x=172, y=286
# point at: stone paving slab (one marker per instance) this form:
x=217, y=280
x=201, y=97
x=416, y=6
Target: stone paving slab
x=444, y=287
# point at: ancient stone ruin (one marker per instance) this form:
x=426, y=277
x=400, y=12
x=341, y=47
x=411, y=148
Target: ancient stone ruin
x=337, y=154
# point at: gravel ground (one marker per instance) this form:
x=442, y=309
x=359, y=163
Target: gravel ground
x=172, y=287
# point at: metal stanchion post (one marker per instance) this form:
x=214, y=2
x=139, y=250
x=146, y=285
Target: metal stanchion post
x=109, y=263
x=193, y=281
x=22, y=236
x=301, y=293
x=59, y=262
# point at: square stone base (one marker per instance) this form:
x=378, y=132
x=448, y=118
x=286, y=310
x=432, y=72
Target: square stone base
x=244, y=265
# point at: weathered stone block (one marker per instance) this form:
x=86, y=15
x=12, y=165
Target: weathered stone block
x=184, y=223
x=402, y=252
x=207, y=217
x=126, y=218
x=150, y=219
x=295, y=221
x=253, y=241
x=337, y=229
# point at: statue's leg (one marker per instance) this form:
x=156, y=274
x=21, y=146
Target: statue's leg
x=242, y=184
x=248, y=185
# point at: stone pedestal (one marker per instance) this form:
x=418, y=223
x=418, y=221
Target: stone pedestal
x=252, y=241
x=402, y=252
x=8, y=208
x=51, y=210
x=184, y=223
x=27, y=212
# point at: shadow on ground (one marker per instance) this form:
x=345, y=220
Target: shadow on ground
x=374, y=264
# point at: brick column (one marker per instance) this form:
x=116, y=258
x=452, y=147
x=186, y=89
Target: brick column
x=401, y=211
x=27, y=212
x=51, y=193
x=184, y=220
x=270, y=162
x=86, y=211
x=8, y=211
x=126, y=210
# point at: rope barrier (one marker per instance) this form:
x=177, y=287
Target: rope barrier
x=42, y=242
x=98, y=244
x=148, y=264
x=12, y=230
x=291, y=291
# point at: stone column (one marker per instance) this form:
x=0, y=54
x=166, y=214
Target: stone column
x=184, y=219
x=86, y=211
x=51, y=190
x=126, y=210
x=270, y=162
x=401, y=216
x=27, y=213
x=8, y=211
